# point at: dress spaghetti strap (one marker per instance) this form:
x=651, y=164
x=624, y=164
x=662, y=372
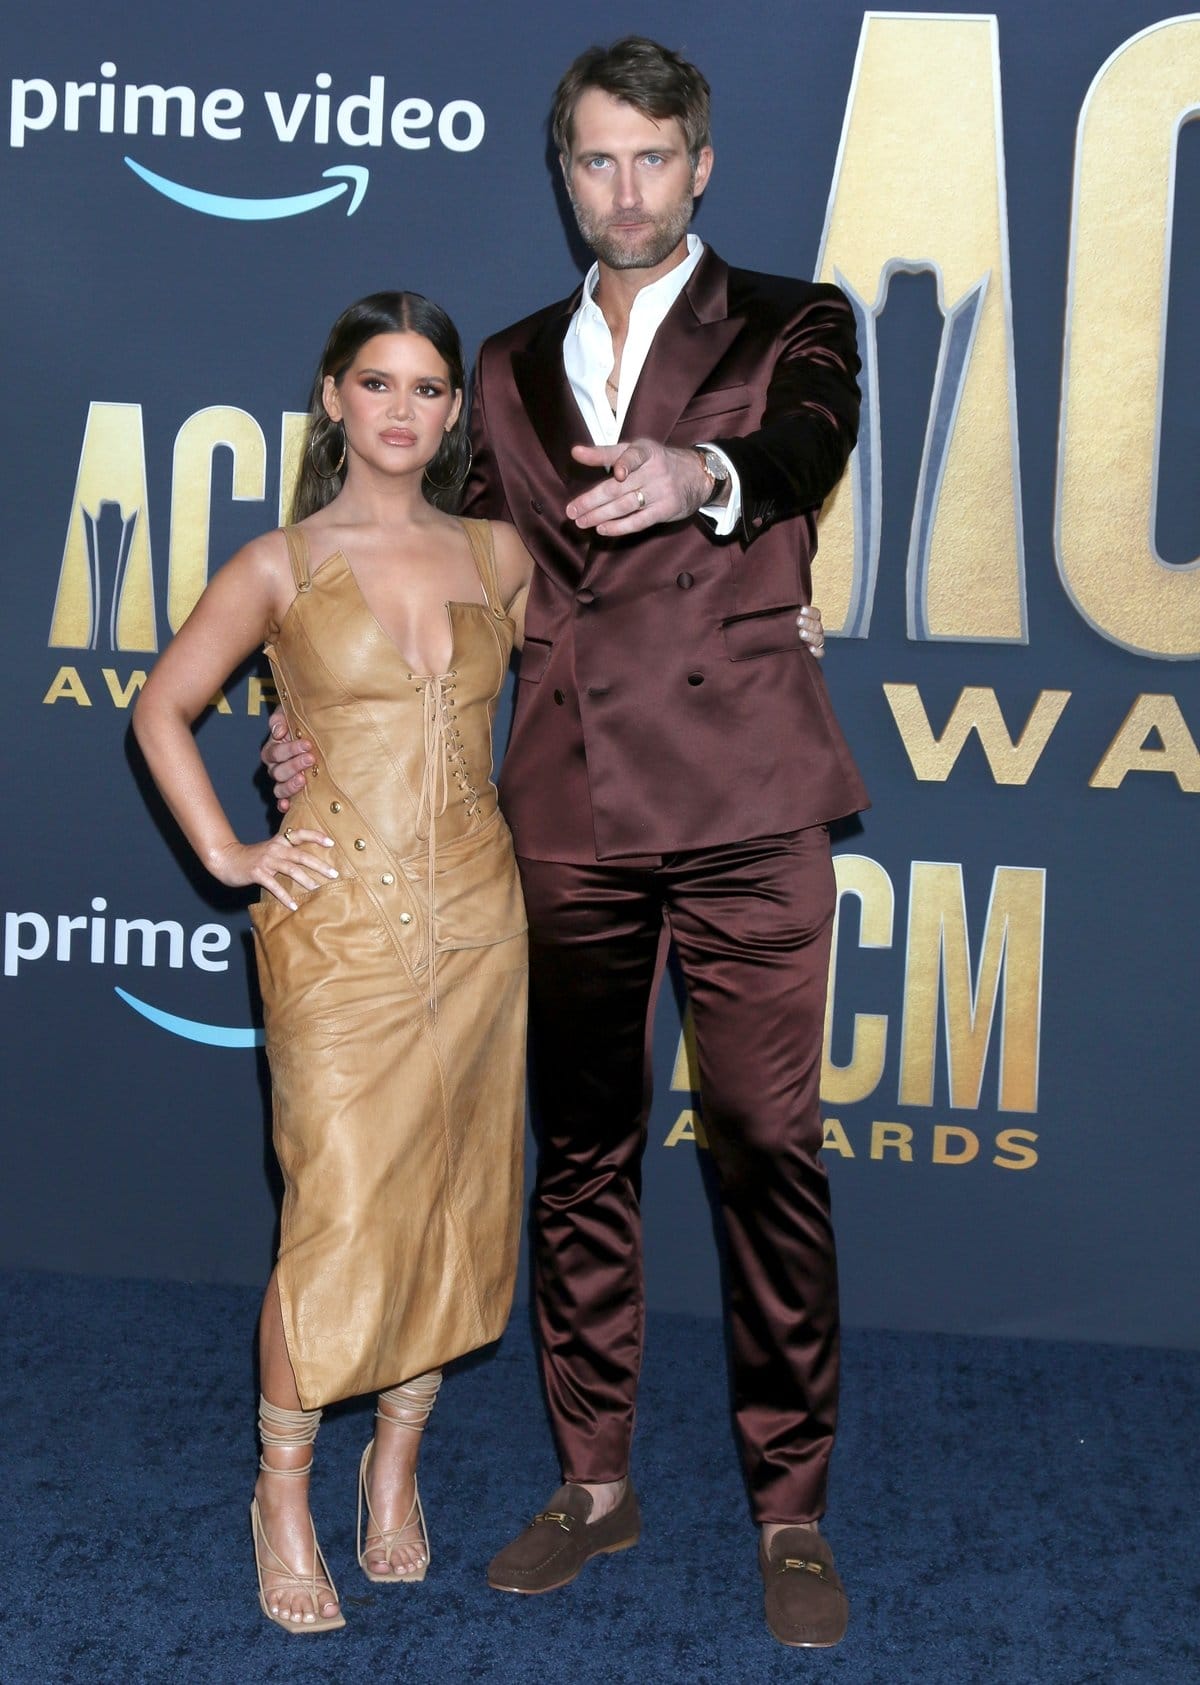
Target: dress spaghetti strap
x=483, y=553
x=297, y=545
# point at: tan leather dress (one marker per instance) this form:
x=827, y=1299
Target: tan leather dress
x=394, y=997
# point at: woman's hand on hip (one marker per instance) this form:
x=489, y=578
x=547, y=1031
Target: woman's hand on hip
x=286, y=858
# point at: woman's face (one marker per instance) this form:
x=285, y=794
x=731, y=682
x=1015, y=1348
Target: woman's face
x=395, y=401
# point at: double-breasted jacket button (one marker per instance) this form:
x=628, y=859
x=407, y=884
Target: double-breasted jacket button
x=585, y=598
x=685, y=581
x=335, y=807
x=406, y=918
x=559, y=697
x=360, y=843
x=388, y=878
x=695, y=678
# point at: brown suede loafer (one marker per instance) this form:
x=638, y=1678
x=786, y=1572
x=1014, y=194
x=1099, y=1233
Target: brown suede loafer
x=804, y=1599
x=557, y=1543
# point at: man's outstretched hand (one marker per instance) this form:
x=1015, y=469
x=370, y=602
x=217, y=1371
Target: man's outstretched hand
x=647, y=484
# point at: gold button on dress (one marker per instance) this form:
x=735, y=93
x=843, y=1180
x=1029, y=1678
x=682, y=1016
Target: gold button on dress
x=396, y=1037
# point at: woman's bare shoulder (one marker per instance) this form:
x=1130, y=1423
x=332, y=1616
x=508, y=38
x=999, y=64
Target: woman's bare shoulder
x=260, y=572
x=266, y=553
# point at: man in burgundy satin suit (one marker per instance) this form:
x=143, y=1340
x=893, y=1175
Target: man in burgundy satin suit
x=674, y=757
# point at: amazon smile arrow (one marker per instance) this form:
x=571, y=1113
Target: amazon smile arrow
x=260, y=210
x=212, y=1035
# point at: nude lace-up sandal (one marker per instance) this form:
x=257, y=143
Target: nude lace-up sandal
x=289, y=1430
x=416, y=1398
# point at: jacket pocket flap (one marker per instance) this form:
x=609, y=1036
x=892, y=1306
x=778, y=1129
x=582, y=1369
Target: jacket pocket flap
x=764, y=631
x=535, y=658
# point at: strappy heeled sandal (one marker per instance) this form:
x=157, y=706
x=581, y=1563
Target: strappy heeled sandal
x=417, y=1397
x=290, y=1430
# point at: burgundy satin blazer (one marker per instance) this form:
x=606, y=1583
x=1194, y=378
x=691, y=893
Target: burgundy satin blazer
x=664, y=700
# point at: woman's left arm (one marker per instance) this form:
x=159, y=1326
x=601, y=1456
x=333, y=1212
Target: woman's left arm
x=228, y=623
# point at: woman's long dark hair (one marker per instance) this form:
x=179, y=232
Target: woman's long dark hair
x=321, y=478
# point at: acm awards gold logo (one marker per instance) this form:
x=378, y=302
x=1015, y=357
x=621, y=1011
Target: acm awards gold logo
x=921, y=172
x=106, y=599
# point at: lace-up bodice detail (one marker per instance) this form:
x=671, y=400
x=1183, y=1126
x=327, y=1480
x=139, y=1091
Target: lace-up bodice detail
x=446, y=757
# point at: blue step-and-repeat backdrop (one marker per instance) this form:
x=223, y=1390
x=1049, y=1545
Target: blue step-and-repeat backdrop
x=1012, y=201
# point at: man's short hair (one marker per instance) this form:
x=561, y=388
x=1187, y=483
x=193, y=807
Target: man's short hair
x=647, y=76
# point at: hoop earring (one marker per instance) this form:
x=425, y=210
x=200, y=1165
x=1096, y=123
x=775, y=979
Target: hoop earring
x=459, y=479
x=338, y=465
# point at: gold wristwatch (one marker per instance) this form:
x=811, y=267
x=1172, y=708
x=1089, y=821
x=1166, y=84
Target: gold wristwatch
x=715, y=467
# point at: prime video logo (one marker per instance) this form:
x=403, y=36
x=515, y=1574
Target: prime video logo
x=106, y=106
x=95, y=939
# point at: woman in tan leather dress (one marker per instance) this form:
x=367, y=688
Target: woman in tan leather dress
x=390, y=931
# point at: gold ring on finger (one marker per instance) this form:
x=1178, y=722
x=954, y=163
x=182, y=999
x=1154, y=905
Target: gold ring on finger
x=287, y=836
x=641, y=497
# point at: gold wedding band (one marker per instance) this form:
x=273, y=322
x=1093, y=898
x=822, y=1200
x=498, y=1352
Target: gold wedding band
x=641, y=496
x=287, y=835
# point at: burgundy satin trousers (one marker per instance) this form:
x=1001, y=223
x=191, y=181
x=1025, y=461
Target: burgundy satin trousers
x=751, y=926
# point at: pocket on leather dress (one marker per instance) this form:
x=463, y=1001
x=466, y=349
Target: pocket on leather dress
x=316, y=961
x=479, y=893
x=269, y=911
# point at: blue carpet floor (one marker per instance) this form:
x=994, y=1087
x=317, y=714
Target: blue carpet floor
x=1002, y=1511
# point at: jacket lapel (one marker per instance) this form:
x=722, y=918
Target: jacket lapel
x=694, y=336
x=547, y=398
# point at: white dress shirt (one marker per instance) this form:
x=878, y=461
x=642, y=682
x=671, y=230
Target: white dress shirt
x=588, y=361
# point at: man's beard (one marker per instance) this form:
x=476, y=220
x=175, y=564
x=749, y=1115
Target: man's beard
x=644, y=247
